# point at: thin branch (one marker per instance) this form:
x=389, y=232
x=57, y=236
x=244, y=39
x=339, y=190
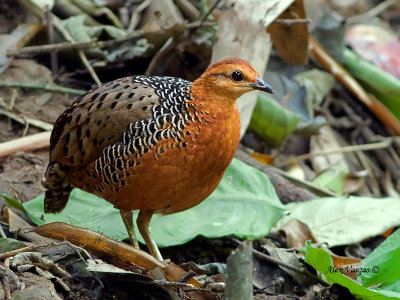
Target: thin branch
x=66, y=46
x=47, y=87
x=280, y=263
x=6, y=272
x=24, y=120
x=135, y=15
x=372, y=146
x=160, y=55
x=50, y=33
x=292, y=21
x=381, y=7
x=270, y=170
x=6, y=288
x=214, y=6
x=82, y=56
x=172, y=283
x=20, y=250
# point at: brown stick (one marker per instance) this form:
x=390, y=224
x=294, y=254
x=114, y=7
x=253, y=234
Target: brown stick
x=27, y=143
x=381, y=112
x=20, y=250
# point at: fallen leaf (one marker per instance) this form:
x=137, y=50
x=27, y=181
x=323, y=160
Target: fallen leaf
x=291, y=39
x=296, y=233
x=342, y=221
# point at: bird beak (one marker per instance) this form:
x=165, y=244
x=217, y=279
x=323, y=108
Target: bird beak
x=262, y=86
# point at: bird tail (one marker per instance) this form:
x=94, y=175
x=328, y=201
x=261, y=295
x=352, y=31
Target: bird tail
x=57, y=188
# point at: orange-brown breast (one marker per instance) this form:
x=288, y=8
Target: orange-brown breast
x=180, y=177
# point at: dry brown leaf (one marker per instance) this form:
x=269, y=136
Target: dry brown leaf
x=326, y=140
x=18, y=38
x=18, y=225
x=120, y=253
x=291, y=39
x=266, y=159
x=354, y=181
x=296, y=233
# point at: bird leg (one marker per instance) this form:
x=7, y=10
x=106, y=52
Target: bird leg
x=143, y=221
x=127, y=218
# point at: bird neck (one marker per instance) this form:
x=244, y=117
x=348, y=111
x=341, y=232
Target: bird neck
x=211, y=96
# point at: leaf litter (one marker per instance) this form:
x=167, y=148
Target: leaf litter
x=89, y=265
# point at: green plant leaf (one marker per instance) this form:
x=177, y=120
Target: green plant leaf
x=272, y=121
x=343, y=221
x=322, y=262
x=333, y=178
x=244, y=204
x=384, y=264
x=13, y=203
x=7, y=245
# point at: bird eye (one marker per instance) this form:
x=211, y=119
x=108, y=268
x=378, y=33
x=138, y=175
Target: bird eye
x=237, y=76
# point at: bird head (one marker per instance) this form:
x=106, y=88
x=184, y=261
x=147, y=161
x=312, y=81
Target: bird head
x=228, y=79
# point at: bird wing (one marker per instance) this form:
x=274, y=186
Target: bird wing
x=99, y=118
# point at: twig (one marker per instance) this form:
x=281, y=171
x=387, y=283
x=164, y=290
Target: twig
x=173, y=283
x=10, y=274
x=214, y=6
x=202, y=20
x=66, y=46
x=188, y=9
x=168, y=45
x=26, y=128
x=47, y=87
x=243, y=156
x=20, y=250
x=381, y=7
x=50, y=32
x=187, y=276
x=134, y=18
x=82, y=56
x=372, y=146
x=27, y=143
x=6, y=288
x=292, y=21
x=280, y=263
x=23, y=120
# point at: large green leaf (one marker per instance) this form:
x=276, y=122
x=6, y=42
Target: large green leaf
x=322, y=262
x=384, y=264
x=342, y=221
x=244, y=204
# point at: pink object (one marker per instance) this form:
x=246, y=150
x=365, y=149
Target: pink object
x=376, y=45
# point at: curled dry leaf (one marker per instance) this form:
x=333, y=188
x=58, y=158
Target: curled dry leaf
x=296, y=233
x=122, y=254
